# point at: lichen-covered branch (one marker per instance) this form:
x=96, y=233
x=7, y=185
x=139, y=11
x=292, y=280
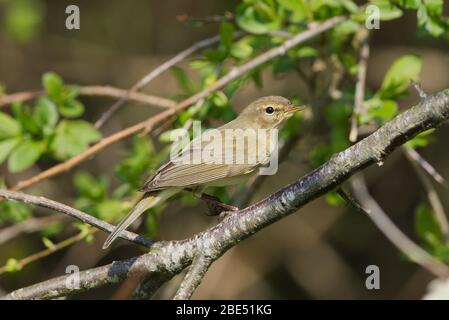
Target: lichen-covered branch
x=193, y=278
x=170, y=258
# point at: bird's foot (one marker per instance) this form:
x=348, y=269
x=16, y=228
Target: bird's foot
x=216, y=207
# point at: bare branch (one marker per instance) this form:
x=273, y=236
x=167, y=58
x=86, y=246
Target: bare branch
x=46, y=252
x=170, y=258
x=419, y=160
x=432, y=194
x=146, y=264
x=155, y=73
x=193, y=278
x=389, y=229
x=27, y=226
x=359, y=100
x=422, y=94
x=228, y=16
x=106, y=91
x=84, y=217
x=149, y=124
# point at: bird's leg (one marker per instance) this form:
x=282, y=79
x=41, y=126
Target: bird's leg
x=215, y=206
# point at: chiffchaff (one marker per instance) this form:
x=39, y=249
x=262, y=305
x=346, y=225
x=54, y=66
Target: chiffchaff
x=195, y=168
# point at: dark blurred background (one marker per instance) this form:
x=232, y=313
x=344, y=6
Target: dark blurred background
x=320, y=252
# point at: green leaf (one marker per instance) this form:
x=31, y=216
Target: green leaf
x=306, y=52
x=53, y=84
x=434, y=7
x=226, y=34
x=8, y=126
x=410, y=4
x=381, y=110
x=220, y=99
x=257, y=21
x=72, y=138
x=430, y=18
x=334, y=199
x=24, y=115
x=109, y=210
x=421, y=140
x=171, y=135
x=388, y=11
x=132, y=168
x=6, y=146
x=52, y=229
x=14, y=211
x=348, y=5
x=71, y=108
x=183, y=80
x=300, y=11
x=48, y=243
x=427, y=227
x=12, y=265
x=151, y=224
x=23, y=18
x=45, y=112
x=88, y=186
x=25, y=155
x=241, y=50
x=397, y=79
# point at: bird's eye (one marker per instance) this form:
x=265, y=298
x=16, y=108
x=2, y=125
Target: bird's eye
x=269, y=110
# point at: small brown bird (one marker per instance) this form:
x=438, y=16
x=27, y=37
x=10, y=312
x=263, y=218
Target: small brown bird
x=194, y=168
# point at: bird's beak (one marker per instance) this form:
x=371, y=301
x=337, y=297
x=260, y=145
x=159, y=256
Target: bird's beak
x=294, y=109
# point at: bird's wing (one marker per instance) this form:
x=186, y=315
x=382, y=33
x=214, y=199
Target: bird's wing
x=183, y=171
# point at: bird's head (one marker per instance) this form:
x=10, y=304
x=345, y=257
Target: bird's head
x=269, y=112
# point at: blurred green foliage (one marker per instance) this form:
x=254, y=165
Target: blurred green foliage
x=51, y=127
x=23, y=18
x=40, y=131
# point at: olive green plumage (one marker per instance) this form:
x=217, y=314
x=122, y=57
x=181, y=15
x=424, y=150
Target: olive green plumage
x=265, y=113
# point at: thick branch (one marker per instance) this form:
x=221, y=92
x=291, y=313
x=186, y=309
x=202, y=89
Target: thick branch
x=174, y=256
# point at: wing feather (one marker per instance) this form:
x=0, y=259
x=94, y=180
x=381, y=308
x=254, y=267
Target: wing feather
x=181, y=172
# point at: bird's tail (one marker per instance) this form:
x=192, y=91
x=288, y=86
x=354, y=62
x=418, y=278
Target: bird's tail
x=148, y=201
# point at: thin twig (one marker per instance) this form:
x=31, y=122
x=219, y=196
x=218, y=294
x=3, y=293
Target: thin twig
x=149, y=124
x=106, y=91
x=84, y=217
x=424, y=164
x=170, y=258
x=389, y=229
x=193, y=278
x=155, y=73
x=46, y=252
x=432, y=194
x=359, y=99
x=422, y=94
x=28, y=226
x=228, y=16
